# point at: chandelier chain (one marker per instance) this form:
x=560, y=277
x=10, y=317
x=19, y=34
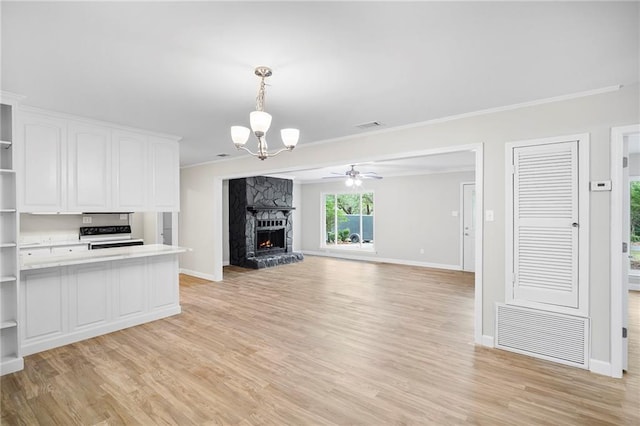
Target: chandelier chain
x=260, y=97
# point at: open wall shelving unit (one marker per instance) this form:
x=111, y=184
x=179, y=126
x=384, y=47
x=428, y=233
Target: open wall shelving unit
x=10, y=357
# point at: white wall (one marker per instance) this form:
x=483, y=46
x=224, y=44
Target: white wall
x=150, y=226
x=594, y=114
x=410, y=213
x=63, y=226
x=196, y=224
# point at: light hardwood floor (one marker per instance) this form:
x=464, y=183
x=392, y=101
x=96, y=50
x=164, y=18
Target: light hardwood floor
x=320, y=342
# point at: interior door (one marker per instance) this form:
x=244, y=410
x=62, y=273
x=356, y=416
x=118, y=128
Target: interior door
x=468, y=227
x=545, y=224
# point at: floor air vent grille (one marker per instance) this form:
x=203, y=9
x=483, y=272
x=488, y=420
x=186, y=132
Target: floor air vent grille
x=541, y=334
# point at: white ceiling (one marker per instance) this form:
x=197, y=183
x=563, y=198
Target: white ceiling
x=186, y=68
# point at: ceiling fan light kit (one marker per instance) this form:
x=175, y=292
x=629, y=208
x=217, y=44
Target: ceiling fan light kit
x=354, y=177
x=260, y=121
x=353, y=181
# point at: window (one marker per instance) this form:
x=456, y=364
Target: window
x=348, y=220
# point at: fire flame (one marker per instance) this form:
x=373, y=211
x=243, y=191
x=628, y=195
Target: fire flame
x=266, y=244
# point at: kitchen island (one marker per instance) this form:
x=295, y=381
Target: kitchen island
x=75, y=296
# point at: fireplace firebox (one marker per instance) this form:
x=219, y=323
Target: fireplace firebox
x=270, y=241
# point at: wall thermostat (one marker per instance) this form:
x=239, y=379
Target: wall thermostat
x=602, y=185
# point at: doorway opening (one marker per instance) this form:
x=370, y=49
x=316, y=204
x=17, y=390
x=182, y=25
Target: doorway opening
x=160, y=228
x=218, y=217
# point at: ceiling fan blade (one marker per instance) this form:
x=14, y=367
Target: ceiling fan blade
x=333, y=177
x=371, y=177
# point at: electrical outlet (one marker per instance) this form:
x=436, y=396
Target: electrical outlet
x=454, y=213
x=86, y=219
x=124, y=216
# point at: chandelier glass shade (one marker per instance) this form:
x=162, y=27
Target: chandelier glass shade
x=260, y=121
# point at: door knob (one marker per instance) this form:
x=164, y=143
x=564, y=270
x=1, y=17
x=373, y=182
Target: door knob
x=575, y=224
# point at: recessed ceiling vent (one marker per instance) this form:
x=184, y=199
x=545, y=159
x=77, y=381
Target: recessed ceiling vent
x=369, y=125
x=222, y=155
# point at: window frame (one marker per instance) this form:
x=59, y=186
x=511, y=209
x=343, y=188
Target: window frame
x=632, y=272
x=361, y=246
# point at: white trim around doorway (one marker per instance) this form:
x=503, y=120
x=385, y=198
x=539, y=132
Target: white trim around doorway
x=616, y=301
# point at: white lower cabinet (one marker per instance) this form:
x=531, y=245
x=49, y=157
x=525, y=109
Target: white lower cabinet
x=164, y=285
x=43, y=303
x=131, y=288
x=67, y=304
x=89, y=295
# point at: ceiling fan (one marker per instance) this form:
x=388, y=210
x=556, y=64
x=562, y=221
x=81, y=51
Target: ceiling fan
x=354, y=177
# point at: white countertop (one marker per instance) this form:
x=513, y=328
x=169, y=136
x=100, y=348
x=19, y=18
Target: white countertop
x=102, y=255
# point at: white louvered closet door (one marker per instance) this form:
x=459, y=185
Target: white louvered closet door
x=545, y=224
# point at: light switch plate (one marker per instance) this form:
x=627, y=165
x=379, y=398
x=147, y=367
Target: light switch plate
x=454, y=213
x=488, y=216
x=124, y=216
x=86, y=219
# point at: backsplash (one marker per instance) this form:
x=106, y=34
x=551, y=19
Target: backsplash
x=38, y=228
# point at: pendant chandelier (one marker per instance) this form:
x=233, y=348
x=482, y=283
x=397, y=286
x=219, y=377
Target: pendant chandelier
x=260, y=122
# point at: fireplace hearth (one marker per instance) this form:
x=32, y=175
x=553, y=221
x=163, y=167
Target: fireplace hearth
x=260, y=223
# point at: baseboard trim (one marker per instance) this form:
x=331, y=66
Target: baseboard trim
x=488, y=341
x=11, y=366
x=197, y=274
x=226, y=263
x=382, y=260
x=600, y=367
x=634, y=286
x=44, y=344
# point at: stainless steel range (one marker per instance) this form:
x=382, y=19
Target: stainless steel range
x=100, y=237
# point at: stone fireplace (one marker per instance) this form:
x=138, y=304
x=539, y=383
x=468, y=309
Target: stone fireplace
x=260, y=225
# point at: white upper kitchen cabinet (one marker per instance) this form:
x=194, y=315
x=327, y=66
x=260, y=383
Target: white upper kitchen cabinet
x=41, y=163
x=89, y=168
x=165, y=174
x=131, y=179
x=71, y=164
